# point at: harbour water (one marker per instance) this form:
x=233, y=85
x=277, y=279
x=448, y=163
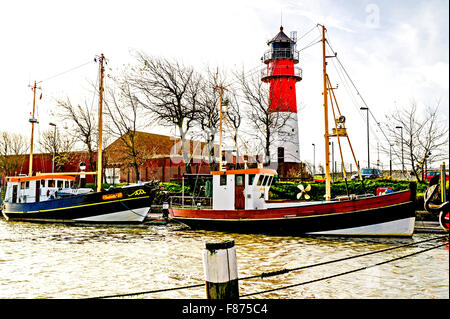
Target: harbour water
x=63, y=261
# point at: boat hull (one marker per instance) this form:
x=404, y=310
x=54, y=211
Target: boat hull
x=387, y=215
x=119, y=205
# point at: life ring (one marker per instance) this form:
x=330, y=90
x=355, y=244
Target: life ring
x=443, y=220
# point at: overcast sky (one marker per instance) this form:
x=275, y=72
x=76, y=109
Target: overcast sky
x=394, y=51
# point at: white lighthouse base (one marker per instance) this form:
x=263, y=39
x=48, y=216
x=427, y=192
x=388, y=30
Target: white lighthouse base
x=285, y=143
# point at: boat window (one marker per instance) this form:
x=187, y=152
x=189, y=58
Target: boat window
x=71, y=184
x=251, y=177
x=260, y=179
x=60, y=184
x=22, y=185
x=264, y=183
x=269, y=182
x=223, y=180
x=42, y=182
x=239, y=180
x=66, y=184
x=27, y=185
x=51, y=183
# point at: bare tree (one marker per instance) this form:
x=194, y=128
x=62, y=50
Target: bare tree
x=425, y=136
x=267, y=124
x=169, y=90
x=124, y=119
x=84, y=128
x=13, y=146
x=60, y=145
x=208, y=112
x=234, y=119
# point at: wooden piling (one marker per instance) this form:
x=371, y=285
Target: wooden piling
x=220, y=267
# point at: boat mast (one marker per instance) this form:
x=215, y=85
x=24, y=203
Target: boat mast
x=326, y=135
x=32, y=121
x=100, y=127
x=221, y=88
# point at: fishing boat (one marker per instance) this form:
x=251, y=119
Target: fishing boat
x=52, y=197
x=240, y=199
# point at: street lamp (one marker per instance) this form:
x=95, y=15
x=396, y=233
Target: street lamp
x=368, y=147
x=403, y=160
x=314, y=159
x=390, y=160
x=54, y=146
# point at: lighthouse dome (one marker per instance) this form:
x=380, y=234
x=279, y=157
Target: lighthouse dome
x=281, y=37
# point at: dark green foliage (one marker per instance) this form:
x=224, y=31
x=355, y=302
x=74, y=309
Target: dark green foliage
x=289, y=190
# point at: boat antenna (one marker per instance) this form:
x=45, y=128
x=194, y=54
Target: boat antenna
x=220, y=88
x=100, y=125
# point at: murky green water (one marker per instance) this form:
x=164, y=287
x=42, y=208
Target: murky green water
x=60, y=261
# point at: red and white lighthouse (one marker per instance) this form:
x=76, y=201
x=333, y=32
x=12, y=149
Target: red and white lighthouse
x=282, y=75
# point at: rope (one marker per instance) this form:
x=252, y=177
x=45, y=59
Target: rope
x=149, y=292
x=344, y=273
x=283, y=271
x=67, y=71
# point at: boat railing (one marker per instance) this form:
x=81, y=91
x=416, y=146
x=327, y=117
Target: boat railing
x=352, y=197
x=190, y=202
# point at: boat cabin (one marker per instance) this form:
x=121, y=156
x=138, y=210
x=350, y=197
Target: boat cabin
x=241, y=189
x=33, y=189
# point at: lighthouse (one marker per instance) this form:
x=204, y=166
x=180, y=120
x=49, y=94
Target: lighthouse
x=281, y=74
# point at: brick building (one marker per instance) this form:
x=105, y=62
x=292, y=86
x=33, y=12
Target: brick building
x=159, y=157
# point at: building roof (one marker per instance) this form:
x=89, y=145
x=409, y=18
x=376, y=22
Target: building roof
x=150, y=145
x=280, y=37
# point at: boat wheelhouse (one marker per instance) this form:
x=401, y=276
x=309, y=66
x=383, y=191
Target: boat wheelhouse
x=34, y=189
x=241, y=189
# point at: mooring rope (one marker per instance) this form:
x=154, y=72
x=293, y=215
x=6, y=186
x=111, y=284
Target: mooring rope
x=343, y=273
x=283, y=271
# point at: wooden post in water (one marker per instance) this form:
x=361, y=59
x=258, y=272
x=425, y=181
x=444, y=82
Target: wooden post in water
x=220, y=266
